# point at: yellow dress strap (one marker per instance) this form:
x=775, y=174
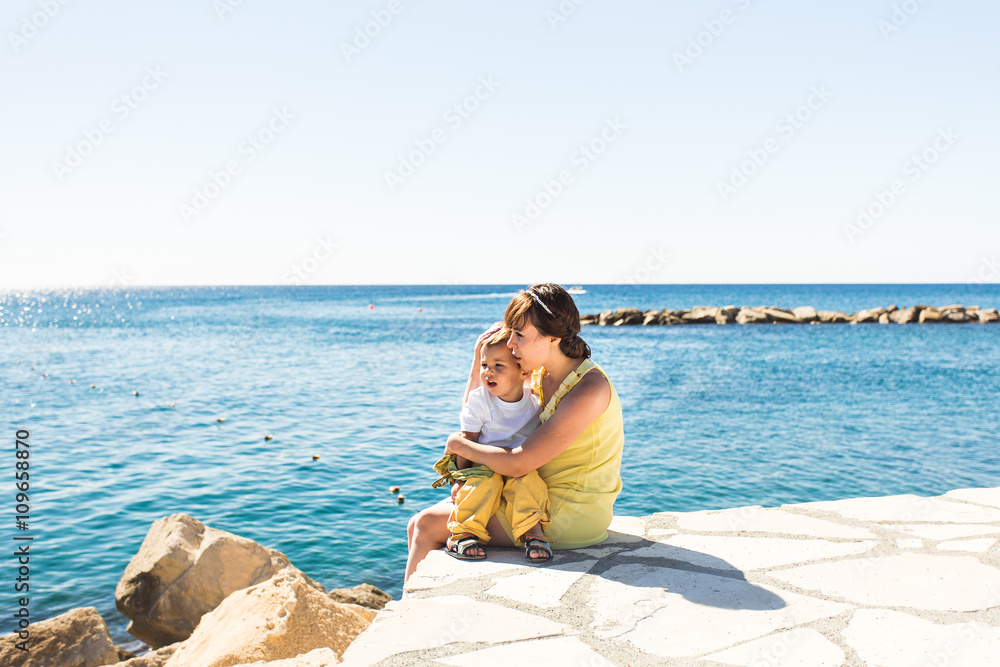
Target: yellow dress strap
x=564, y=388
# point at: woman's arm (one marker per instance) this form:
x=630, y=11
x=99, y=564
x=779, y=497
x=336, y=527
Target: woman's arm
x=477, y=360
x=578, y=409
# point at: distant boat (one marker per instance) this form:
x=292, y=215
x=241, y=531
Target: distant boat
x=576, y=289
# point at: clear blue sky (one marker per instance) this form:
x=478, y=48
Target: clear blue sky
x=98, y=188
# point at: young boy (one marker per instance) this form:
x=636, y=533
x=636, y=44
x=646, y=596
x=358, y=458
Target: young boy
x=502, y=412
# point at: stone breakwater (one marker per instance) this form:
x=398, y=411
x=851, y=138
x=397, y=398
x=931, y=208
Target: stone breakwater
x=201, y=597
x=801, y=315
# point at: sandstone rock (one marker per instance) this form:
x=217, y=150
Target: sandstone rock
x=588, y=319
x=781, y=316
x=883, y=318
x=832, y=317
x=183, y=570
x=989, y=315
x=805, y=313
x=627, y=316
x=727, y=315
x=929, y=314
x=869, y=315
x=668, y=316
x=955, y=316
x=321, y=657
x=605, y=318
x=750, y=316
x=77, y=638
x=650, y=317
x=701, y=315
x=157, y=658
x=280, y=618
x=904, y=315
x=364, y=595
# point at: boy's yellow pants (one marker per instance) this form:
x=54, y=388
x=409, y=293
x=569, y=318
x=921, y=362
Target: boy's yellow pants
x=479, y=498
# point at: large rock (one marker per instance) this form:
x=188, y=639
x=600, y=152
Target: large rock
x=904, y=315
x=183, y=570
x=364, y=595
x=626, y=316
x=805, y=313
x=989, y=315
x=868, y=315
x=929, y=314
x=701, y=315
x=751, y=316
x=727, y=315
x=280, y=618
x=157, y=658
x=832, y=317
x=78, y=638
x=650, y=317
x=781, y=316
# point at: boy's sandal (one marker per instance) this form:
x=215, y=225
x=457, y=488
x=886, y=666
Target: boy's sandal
x=534, y=543
x=461, y=544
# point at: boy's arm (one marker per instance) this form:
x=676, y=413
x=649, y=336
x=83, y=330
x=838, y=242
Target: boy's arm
x=461, y=461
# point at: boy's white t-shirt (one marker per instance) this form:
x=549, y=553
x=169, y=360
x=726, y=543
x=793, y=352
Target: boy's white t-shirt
x=500, y=423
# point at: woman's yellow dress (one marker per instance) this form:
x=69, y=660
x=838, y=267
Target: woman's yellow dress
x=584, y=480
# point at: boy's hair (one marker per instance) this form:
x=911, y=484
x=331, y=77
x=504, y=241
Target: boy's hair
x=498, y=338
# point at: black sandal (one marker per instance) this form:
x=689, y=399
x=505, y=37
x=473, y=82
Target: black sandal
x=535, y=543
x=463, y=542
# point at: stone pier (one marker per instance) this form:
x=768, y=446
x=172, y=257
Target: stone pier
x=899, y=580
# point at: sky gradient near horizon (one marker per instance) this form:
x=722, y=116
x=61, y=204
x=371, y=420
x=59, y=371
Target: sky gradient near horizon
x=734, y=141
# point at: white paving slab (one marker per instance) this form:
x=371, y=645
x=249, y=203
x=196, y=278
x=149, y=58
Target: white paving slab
x=757, y=519
x=440, y=569
x=908, y=508
x=625, y=530
x=981, y=496
x=411, y=625
x=980, y=545
x=540, y=652
x=932, y=531
x=893, y=639
x=798, y=647
x=677, y=613
x=920, y=581
x=748, y=553
x=541, y=588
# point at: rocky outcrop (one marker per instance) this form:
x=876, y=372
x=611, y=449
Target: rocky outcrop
x=283, y=617
x=184, y=570
x=364, y=595
x=798, y=315
x=157, y=658
x=77, y=638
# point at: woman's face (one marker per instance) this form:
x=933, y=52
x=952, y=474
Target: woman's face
x=529, y=347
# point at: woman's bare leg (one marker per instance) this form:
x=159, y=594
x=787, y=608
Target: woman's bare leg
x=426, y=531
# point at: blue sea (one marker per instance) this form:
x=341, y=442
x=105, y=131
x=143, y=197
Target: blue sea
x=369, y=379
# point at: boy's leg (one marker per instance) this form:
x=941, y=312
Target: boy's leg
x=476, y=501
x=527, y=503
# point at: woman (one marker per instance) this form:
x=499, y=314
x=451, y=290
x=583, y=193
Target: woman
x=577, y=449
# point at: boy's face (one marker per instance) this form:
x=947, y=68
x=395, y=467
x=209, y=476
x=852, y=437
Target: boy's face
x=500, y=373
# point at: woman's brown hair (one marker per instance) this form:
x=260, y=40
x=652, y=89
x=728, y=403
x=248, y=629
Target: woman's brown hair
x=551, y=310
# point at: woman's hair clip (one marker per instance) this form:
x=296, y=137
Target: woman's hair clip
x=539, y=301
